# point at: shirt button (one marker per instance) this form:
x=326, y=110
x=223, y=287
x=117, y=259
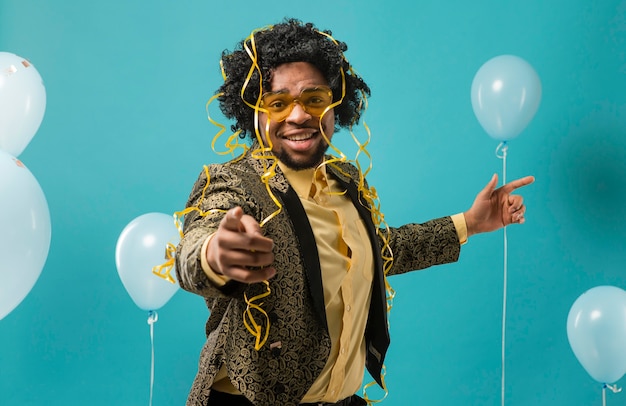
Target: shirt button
x=343, y=350
x=348, y=308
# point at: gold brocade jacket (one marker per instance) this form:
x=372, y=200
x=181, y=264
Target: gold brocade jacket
x=282, y=374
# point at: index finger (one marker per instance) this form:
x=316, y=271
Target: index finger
x=248, y=230
x=518, y=183
x=250, y=225
x=232, y=219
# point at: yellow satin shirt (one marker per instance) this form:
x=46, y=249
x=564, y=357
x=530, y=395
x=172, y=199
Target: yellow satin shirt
x=346, y=261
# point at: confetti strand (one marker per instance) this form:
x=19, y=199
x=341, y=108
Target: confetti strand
x=165, y=270
x=265, y=155
x=250, y=322
x=232, y=142
x=373, y=383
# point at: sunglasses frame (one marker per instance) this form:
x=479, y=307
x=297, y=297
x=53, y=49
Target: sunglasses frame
x=281, y=115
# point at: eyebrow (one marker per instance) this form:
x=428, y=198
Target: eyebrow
x=300, y=92
x=278, y=91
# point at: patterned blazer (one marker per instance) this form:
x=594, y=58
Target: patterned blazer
x=282, y=374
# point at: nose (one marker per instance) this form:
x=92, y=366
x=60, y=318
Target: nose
x=297, y=114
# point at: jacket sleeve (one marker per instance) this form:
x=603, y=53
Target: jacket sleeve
x=207, y=204
x=412, y=246
x=419, y=246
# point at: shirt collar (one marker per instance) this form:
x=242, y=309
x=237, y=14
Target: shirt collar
x=301, y=180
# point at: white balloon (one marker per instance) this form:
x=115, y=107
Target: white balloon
x=140, y=247
x=22, y=102
x=506, y=92
x=24, y=232
x=596, y=330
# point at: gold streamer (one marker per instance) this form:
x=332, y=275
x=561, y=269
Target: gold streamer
x=231, y=143
x=249, y=321
x=165, y=270
x=373, y=383
x=266, y=156
x=179, y=214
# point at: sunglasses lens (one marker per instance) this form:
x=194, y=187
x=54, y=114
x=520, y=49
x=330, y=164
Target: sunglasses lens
x=278, y=105
x=314, y=101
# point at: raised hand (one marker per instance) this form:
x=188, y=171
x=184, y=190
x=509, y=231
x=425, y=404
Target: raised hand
x=495, y=208
x=239, y=250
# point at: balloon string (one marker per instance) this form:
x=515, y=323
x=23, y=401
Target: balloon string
x=152, y=318
x=501, y=151
x=613, y=388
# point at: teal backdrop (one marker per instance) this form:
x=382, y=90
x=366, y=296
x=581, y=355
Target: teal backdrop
x=125, y=133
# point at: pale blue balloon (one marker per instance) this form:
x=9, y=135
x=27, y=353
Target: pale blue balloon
x=24, y=232
x=596, y=329
x=140, y=247
x=506, y=92
x=22, y=102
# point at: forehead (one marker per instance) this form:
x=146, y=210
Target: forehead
x=295, y=76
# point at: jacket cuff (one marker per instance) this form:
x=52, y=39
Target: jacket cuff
x=461, y=227
x=216, y=279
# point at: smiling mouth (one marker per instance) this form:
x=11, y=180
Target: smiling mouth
x=300, y=135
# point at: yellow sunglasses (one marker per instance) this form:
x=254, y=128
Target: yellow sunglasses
x=313, y=100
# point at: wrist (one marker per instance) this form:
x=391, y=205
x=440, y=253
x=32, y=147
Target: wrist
x=210, y=270
x=470, y=224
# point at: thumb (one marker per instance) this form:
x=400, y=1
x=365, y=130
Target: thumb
x=489, y=188
x=232, y=219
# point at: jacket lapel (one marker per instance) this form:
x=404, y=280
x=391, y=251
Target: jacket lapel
x=308, y=249
x=376, y=331
x=303, y=231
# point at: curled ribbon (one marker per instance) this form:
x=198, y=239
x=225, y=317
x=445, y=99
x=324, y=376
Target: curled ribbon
x=180, y=214
x=373, y=383
x=250, y=322
x=269, y=161
x=165, y=270
x=232, y=142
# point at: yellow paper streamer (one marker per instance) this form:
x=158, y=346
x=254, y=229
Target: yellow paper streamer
x=249, y=321
x=232, y=142
x=180, y=214
x=372, y=384
x=265, y=155
x=165, y=270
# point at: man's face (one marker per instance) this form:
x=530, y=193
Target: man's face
x=297, y=141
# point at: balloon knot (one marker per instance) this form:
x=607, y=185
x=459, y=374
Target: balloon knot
x=501, y=150
x=613, y=388
x=153, y=316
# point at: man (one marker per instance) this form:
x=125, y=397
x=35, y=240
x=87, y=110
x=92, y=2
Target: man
x=286, y=243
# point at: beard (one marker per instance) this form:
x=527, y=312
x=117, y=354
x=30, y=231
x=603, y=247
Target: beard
x=299, y=164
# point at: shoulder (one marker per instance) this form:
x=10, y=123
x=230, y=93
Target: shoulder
x=236, y=167
x=345, y=170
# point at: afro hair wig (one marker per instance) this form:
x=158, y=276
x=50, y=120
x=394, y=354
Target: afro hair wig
x=288, y=41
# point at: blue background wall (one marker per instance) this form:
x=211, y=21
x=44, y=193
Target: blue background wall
x=125, y=133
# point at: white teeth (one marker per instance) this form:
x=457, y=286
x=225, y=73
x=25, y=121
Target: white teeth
x=301, y=137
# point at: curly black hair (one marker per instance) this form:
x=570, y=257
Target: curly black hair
x=288, y=41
